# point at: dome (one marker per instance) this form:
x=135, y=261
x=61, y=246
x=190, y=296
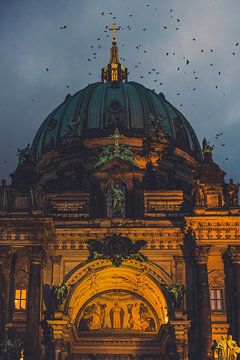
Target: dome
x=101, y=107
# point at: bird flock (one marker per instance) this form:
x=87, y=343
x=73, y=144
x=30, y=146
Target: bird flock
x=183, y=64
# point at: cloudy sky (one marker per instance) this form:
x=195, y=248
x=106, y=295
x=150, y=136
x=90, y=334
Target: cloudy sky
x=156, y=34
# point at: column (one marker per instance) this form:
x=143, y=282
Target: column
x=204, y=325
x=56, y=268
x=11, y=288
x=234, y=254
x=32, y=348
x=5, y=256
x=181, y=329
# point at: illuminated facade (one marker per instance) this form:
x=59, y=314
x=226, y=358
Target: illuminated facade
x=119, y=238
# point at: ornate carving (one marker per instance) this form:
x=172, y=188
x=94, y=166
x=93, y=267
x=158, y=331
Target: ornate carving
x=36, y=254
x=118, y=199
x=234, y=254
x=201, y=254
x=24, y=155
x=225, y=349
x=176, y=292
x=207, y=150
x=198, y=193
x=54, y=296
x=110, y=152
x=116, y=248
x=232, y=192
x=117, y=310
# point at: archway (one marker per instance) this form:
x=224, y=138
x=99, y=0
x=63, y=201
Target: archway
x=117, y=312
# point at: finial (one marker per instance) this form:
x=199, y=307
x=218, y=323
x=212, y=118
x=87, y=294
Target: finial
x=114, y=71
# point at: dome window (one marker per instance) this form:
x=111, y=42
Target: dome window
x=115, y=106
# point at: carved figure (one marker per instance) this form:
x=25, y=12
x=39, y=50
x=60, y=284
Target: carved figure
x=116, y=248
x=95, y=318
x=232, y=191
x=156, y=122
x=116, y=315
x=198, y=193
x=59, y=292
x=118, y=199
x=207, y=150
x=176, y=292
x=136, y=318
x=225, y=349
x=75, y=126
x=24, y=154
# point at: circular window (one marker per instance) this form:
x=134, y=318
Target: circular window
x=115, y=106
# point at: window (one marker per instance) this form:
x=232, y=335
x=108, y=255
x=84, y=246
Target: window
x=20, y=299
x=216, y=296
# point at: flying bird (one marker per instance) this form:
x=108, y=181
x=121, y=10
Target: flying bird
x=63, y=27
x=47, y=69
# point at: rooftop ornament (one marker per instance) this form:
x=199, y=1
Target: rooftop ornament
x=207, y=150
x=114, y=71
x=116, y=150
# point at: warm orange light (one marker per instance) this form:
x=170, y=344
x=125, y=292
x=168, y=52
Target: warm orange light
x=20, y=299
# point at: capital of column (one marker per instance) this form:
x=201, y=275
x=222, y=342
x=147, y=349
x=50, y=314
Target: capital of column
x=201, y=253
x=179, y=259
x=233, y=252
x=56, y=259
x=36, y=254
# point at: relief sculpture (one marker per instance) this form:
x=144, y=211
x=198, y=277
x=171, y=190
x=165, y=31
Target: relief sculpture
x=117, y=311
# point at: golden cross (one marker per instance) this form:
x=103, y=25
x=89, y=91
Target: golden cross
x=116, y=137
x=114, y=28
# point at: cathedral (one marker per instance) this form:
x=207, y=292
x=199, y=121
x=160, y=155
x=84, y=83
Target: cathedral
x=119, y=237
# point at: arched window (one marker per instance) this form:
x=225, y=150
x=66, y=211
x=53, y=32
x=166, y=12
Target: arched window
x=20, y=299
x=216, y=297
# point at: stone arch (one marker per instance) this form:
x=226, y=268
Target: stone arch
x=92, y=278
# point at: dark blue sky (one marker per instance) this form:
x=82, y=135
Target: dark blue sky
x=204, y=32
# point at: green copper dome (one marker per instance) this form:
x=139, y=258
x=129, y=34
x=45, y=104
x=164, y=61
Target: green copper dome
x=101, y=107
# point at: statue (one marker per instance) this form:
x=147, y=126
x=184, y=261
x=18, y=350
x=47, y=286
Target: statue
x=59, y=293
x=24, y=154
x=94, y=317
x=156, y=123
x=75, y=126
x=198, y=194
x=232, y=192
x=118, y=199
x=207, y=150
x=116, y=316
x=176, y=292
x=225, y=349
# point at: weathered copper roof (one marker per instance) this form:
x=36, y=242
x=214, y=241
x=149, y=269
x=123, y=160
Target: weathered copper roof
x=125, y=105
